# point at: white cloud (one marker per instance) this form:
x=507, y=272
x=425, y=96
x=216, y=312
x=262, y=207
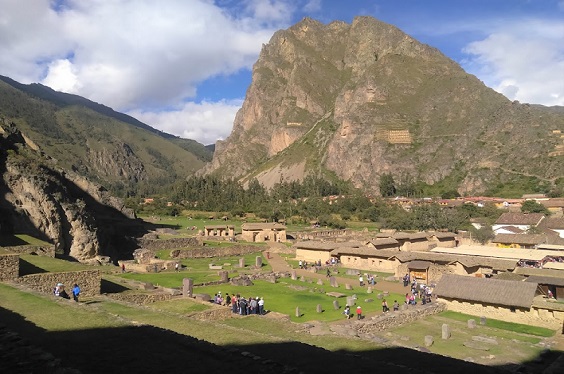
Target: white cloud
x=524, y=61
x=312, y=6
x=206, y=122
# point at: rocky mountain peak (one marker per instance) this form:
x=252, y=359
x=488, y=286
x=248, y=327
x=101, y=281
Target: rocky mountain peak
x=362, y=99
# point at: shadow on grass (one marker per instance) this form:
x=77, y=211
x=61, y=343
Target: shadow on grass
x=108, y=286
x=147, y=349
x=27, y=268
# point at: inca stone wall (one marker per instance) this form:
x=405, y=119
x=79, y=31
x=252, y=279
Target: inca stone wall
x=140, y=298
x=214, y=314
x=9, y=266
x=209, y=252
x=395, y=319
x=48, y=251
x=158, y=244
x=88, y=280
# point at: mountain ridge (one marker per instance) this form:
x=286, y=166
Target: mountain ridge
x=393, y=105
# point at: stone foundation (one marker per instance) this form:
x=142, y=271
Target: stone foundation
x=9, y=266
x=393, y=319
x=88, y=280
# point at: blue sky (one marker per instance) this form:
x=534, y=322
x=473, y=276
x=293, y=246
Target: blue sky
x=183, y=66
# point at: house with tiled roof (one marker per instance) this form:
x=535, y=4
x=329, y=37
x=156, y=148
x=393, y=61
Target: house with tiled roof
x=522, y=221
x=553, y=224
x=519, y=240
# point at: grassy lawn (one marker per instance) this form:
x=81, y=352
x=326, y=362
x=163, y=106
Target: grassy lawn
x=287, y=294
x=30, y=264
x=53, y=314
x=512, y=346
x=20, y=239
x=502, y=325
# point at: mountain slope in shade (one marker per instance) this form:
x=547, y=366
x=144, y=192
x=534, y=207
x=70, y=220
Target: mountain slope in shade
x=363, y=99
x=95, y=141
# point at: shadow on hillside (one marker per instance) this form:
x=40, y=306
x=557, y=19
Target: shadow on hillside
x=146, y=349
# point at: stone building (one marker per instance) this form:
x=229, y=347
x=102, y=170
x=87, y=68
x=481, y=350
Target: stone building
x=219, y=230
x=263, y=232
x=512, y=301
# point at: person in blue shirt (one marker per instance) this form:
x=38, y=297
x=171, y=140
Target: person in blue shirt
x=75, y=292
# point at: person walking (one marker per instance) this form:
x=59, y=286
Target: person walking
x=358, y=312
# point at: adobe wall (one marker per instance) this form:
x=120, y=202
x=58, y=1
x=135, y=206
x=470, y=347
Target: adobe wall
x=534, y=316
x=312, y=255
x=9, y=266
x=88, y=280
x=370, y=263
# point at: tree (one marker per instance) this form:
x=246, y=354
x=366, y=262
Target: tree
x=531, y=206
x=387, y=185
x=483, y=234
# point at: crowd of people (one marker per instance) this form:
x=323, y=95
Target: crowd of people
x=241, y=305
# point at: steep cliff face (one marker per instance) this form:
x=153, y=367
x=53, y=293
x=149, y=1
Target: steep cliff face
x=364, y=99
x=79, y=217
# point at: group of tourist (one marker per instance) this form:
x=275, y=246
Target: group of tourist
x=370, y=279
x=245, y=306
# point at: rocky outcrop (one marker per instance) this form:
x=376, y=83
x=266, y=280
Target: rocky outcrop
x=364, y=99
x=79, y=217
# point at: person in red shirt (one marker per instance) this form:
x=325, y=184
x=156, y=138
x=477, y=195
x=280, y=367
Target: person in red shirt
x=358, y=312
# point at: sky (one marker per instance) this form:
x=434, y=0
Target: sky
x=183, y=66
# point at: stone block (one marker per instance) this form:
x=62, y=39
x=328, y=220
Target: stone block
x=302, y=279
x=369, y=290
x=202, y=297
x=187, y=287
x=333, y=282
x=319, y=309
x=320, y=282
x=483, y=321
x=445, y=332
x=241, y=262
x=348, y=287
x=428, y=340
x=471, y=323
x=336, y=305
x=298, y=314
x=293, y=275
x=258, y=262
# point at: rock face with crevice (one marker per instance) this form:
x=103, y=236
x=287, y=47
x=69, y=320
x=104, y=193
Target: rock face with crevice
x=79, y=217
x=364, y=99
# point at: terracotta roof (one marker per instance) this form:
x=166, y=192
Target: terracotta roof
x=214, y=227
x=539, y=272
x=316, y=245
x=553, y=203
x=527, y=239
x=553, y=223
x=384, y=241
x=489, y=291
x=552, y=281
x=443, y=235
x=419, y=264
x=513, y=229
x=519, y=219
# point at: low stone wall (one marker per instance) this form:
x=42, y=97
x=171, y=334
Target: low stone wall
x=395, y=319
x=9, y=266
x=48, y=251
x=158, y=244
x=88, y=280
x=213, y=314
x=140, y=298
x=209, y=252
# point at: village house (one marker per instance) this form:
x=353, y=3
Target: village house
x=555, y=206
x=443, y=239
x=313, y=250
x=553, y=224
x=519, y=240
x=263, y=232
x=417, y=241
x=506, y=300
x=522, y=221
